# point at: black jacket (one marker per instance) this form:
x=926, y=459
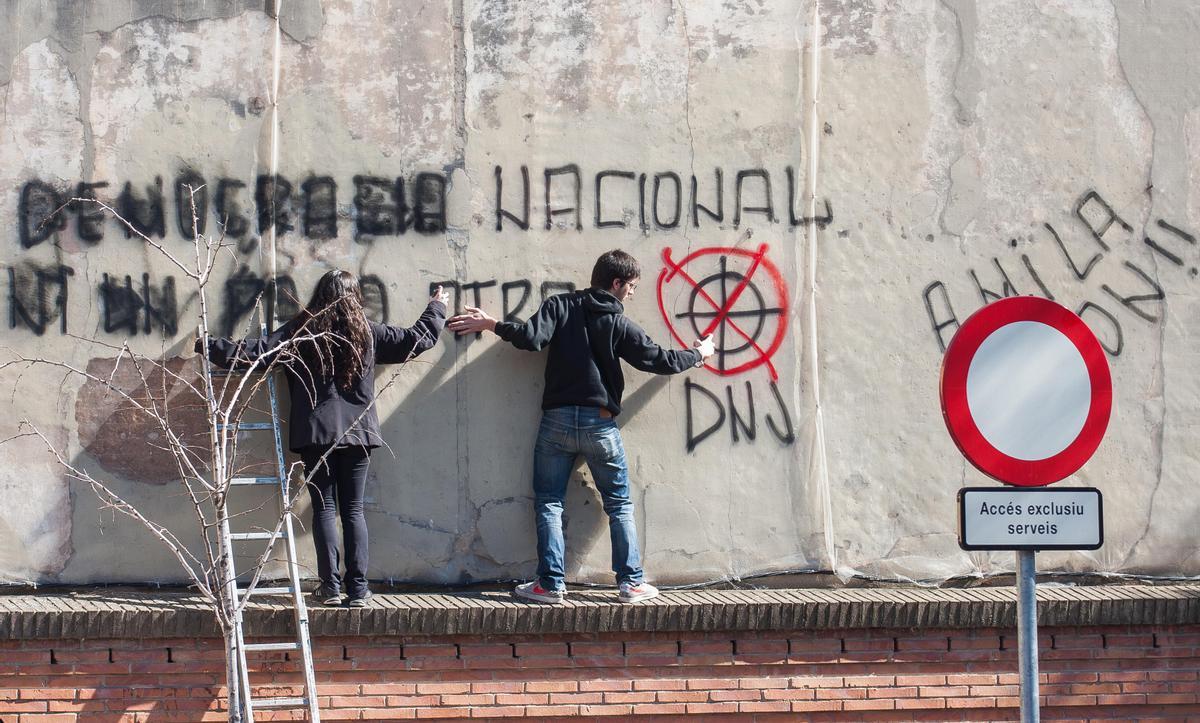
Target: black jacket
x=327, y=417
x=588, y=334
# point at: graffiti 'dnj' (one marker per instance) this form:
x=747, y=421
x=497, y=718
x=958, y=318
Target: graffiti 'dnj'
x=740, y=297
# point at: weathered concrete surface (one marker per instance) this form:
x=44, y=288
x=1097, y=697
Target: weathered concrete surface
x=70, y=24
x=878, y=170
x=102, y=613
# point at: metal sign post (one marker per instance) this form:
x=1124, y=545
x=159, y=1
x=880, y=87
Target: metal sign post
x=1027, y=640
x=1027, y=520
x=1026, y=394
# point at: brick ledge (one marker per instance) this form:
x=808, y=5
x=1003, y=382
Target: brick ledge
x=109, y=613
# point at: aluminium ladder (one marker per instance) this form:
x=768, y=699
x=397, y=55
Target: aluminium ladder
x=303, y=642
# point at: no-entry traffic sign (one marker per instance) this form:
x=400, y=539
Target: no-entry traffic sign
x=1026, y=395
x=1026, y=391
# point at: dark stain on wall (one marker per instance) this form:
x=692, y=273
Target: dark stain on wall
x=125, y=441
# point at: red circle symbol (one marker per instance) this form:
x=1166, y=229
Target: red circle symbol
x=737, y=305
x=998, y=329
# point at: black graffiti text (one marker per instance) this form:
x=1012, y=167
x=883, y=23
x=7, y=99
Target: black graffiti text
x=37, y=296
x=733, y=406
x=661, y=200
x=380, y=206
x=1135, y=289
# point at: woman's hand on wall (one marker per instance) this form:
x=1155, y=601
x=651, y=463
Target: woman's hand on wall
x=440, y=294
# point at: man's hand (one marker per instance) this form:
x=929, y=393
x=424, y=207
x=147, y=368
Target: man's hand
x=472, y=322
x=706, y=347
x=440, y=294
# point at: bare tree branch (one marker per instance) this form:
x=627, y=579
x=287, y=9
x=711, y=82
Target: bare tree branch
x=115, y=502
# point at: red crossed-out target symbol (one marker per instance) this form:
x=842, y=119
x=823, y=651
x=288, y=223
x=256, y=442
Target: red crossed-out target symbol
x=735, y=294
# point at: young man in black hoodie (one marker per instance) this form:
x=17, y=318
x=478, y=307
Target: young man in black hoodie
x=588, y=335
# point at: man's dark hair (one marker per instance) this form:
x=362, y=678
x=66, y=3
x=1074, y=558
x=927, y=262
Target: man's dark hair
x=612, y=266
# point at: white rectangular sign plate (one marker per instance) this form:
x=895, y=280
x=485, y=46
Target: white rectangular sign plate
x=1011, y=518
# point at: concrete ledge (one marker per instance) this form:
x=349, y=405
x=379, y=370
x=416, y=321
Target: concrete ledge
x=109, y=613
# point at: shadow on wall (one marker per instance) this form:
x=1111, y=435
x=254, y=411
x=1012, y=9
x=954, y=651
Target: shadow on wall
x=463, y=501
x=448, y=502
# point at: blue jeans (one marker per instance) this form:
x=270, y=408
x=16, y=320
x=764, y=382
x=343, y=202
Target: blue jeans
x=564, y=434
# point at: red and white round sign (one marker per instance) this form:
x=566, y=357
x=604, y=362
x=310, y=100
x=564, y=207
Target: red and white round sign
x=1026, y=391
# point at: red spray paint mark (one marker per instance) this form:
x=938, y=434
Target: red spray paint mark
x=723, y=316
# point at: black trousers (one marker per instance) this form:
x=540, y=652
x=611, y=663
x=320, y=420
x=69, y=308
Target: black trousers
x=336, y=489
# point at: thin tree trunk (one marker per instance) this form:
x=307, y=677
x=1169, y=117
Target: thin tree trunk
x=235, y=658
x=232, y=676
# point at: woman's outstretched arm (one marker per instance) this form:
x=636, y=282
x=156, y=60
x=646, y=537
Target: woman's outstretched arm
x=398, y=344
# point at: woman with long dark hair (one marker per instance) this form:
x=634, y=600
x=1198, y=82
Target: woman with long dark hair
x=330, y=350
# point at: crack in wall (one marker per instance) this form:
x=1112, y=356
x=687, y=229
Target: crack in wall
x=1137, y=97
x=1157, y=391
x=687, y=104
x=68, y=21
x=966, y=75
x=965, y=90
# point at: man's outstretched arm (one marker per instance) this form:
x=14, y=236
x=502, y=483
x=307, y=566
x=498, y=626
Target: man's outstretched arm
x=636, y=348
x=531, y=335
x=475, y=321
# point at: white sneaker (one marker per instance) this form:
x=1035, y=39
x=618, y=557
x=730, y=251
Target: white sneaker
x=629, y=592
x=534, y=591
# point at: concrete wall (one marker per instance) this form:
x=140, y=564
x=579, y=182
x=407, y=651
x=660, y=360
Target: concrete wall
x=877, y=169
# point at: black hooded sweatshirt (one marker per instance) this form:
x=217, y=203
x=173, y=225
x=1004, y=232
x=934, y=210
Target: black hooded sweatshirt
x=588, y=334
x=322, y=415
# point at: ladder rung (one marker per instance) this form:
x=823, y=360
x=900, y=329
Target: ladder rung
x=257, y=535
x=269, y=591
x=279, y=702
x=246, y=426
x=270, y=647
x=239, y=481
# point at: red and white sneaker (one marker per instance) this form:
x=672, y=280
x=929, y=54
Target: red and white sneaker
x=628, y=592
x=535, y=592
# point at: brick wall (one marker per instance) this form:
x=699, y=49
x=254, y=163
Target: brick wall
x=1100, y=672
